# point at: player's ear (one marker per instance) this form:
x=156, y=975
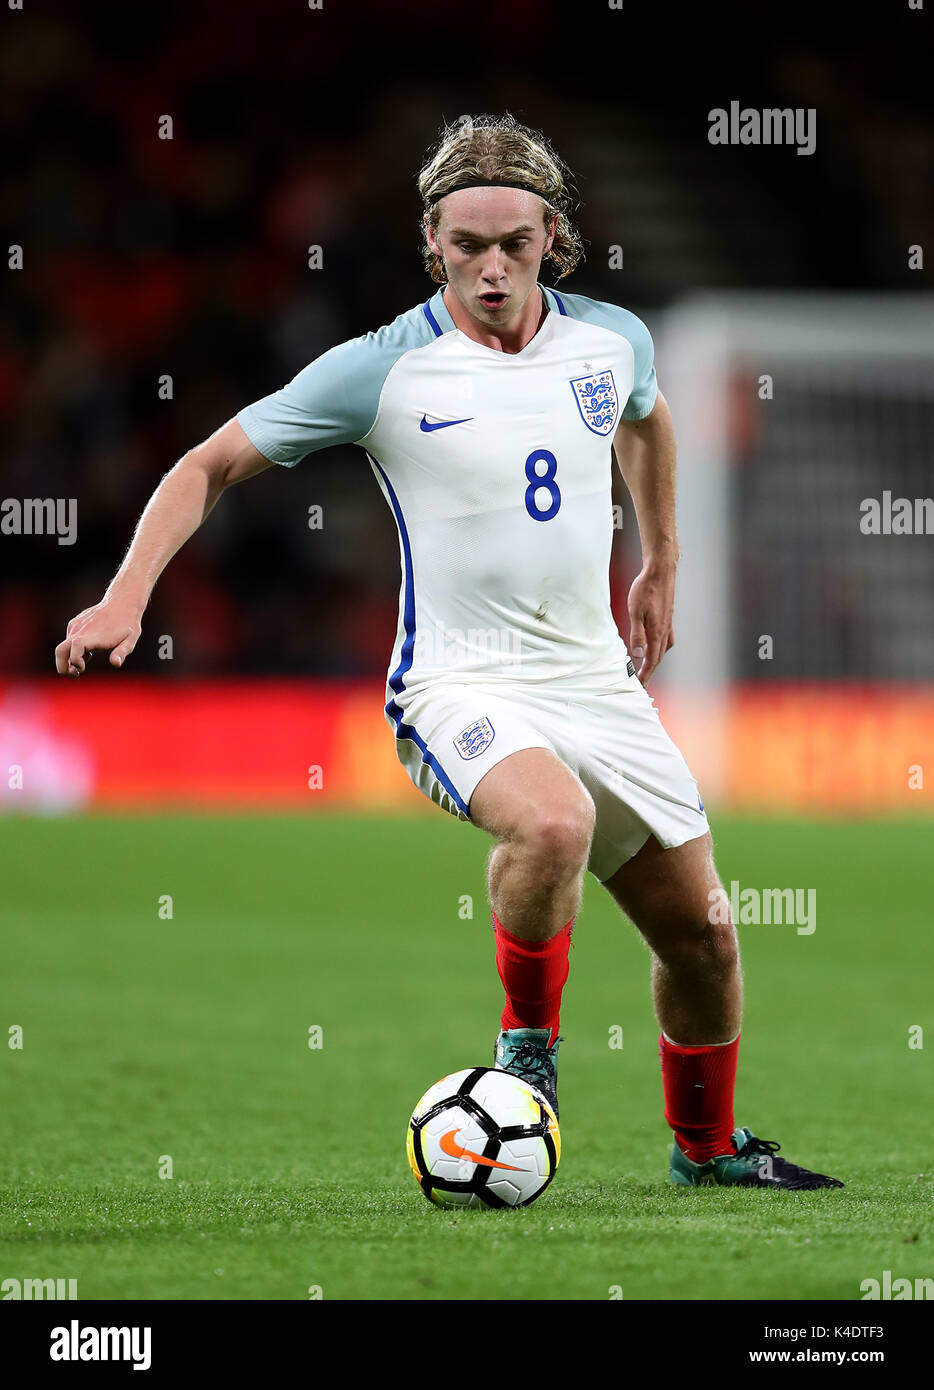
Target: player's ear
x=432, y=239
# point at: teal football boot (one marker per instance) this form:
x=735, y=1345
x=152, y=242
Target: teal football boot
x=525, y=1052
x=753, y=1163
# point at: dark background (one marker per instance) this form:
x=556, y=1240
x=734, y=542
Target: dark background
x=295, y=127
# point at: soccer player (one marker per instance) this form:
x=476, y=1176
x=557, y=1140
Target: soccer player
x=489, y=416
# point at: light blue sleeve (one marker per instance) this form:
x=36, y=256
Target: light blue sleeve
x=334, y=400
x=644, y=384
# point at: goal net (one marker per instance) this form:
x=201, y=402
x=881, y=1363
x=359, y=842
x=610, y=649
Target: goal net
x=803, y=671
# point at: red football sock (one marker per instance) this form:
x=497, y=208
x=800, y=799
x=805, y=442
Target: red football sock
x=533, y=975
x=698, y=1084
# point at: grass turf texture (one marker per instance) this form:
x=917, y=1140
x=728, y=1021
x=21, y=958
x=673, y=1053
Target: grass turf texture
x=188, y=1037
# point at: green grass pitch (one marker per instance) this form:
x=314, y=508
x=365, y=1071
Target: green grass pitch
x=146, y=1037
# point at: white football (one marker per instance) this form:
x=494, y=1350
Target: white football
x=482, y=1137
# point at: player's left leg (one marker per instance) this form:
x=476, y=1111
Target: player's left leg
x=675, y=898
x=696, y=985
x=697, y=981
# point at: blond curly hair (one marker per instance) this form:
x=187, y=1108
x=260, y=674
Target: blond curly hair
x=499, y=147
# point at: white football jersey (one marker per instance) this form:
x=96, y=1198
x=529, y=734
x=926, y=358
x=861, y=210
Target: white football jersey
x=497, y=468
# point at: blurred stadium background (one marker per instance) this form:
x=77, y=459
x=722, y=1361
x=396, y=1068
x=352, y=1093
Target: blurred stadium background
x=188, y=257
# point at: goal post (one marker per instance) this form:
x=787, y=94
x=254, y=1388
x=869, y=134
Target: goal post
x=804, y=421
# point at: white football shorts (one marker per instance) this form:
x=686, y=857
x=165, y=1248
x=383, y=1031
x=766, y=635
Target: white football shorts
x=449, y=737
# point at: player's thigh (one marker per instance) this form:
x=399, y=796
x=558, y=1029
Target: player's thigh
x=638, y=778
x=670, y=894
x=533, y=795
x=451, y=737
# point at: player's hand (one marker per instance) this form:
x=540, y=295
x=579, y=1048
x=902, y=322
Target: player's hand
x=651, y=606
x=112, y=625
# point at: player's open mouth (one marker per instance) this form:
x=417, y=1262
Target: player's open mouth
x=494, y=301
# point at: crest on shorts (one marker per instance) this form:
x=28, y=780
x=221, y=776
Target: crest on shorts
x=475, y=738
x=597, y=401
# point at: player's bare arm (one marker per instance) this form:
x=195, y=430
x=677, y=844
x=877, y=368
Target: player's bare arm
x=645, y=452
x=179, y=505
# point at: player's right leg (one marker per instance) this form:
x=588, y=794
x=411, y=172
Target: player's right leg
x=489, y=759
x=542, y=820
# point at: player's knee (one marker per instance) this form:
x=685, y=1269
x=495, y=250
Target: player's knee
x=719, y=935
x=701, y=947
x=721, y=947
x=558, y=838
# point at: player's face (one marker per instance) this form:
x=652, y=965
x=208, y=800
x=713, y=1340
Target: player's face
x=492, y=241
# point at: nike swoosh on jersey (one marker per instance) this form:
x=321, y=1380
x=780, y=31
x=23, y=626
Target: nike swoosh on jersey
x=442, y=424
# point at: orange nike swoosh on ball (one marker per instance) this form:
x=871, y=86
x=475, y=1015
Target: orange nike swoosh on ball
x=450, y=1146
